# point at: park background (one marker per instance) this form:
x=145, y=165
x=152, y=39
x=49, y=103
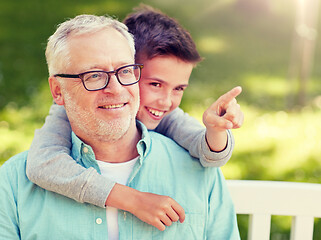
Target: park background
x=269, y=47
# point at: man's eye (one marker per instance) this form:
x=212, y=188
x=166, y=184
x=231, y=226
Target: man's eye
x=155, y=84
x=92, y=76
x=95, y=75
x=126, y=71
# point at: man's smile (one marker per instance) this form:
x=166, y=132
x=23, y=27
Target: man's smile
x=112, y=106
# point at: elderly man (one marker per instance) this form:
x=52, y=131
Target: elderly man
x=92, y=73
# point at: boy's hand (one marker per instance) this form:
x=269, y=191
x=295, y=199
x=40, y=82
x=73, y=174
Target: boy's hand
x=223, y=114
x=156, y=210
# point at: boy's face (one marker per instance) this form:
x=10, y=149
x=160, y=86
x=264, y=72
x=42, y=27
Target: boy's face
x=163, y=81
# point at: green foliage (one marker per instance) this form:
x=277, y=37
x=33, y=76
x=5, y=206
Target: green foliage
x=17, y=124
x=244, y=42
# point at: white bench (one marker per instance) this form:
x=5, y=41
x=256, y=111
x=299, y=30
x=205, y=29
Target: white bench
x=261, y=199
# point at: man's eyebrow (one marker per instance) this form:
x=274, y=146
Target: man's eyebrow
x=117, y=65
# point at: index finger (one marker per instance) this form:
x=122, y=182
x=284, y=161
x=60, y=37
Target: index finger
x=230, y=95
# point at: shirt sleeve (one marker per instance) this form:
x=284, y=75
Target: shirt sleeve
x=49, y=157
x=9, y=228
x=190, y=134
x=222, y=221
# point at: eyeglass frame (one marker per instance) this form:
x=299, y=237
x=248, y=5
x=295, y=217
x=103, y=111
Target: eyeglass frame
x=115, y=72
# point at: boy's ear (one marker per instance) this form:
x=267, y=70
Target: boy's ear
x=55, y=89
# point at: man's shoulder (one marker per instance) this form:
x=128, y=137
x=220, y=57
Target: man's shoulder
x=17, y=162
x=169, y=150
x=13, y=174
x=164, y=146
x=158, y=138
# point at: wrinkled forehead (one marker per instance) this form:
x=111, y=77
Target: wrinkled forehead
x=104, y=38
x=104, y=50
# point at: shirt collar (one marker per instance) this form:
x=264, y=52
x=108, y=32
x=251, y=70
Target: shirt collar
x=76, y=146
x=143, y=145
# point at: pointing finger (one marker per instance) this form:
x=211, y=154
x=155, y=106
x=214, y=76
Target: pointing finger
x=230, y=95
x=220, y=105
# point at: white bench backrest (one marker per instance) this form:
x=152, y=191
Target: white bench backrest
x=261, y=199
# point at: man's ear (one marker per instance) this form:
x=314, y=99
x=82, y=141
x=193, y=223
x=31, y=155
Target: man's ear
x=55, y=89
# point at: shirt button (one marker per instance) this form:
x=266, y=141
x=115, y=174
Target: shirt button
x=99, y=221
x=85, y=149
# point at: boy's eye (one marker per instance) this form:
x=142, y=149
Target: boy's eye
x=179, y=88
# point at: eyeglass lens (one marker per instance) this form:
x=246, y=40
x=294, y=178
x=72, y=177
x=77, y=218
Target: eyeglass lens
x=97, y=80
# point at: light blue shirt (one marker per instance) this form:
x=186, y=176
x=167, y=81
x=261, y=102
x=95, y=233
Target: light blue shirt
x=30, y=212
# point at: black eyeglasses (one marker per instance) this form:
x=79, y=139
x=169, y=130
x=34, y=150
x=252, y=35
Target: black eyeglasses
x=96, y=80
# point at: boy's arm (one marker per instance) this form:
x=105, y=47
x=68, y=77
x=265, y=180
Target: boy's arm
x=225, y=113
x=190, y=134
x=49, y=157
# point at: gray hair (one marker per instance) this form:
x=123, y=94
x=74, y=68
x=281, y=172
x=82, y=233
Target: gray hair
x=57, y=53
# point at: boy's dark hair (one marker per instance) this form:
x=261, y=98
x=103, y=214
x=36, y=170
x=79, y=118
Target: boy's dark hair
x=156, y=34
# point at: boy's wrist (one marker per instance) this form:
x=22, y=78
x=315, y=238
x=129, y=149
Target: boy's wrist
x=216, y=140
x=118, y=194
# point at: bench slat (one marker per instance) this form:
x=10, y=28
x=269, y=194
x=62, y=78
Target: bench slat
x=302, y=228
x=259, y=227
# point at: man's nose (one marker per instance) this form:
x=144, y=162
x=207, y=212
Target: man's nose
x=113, y=85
